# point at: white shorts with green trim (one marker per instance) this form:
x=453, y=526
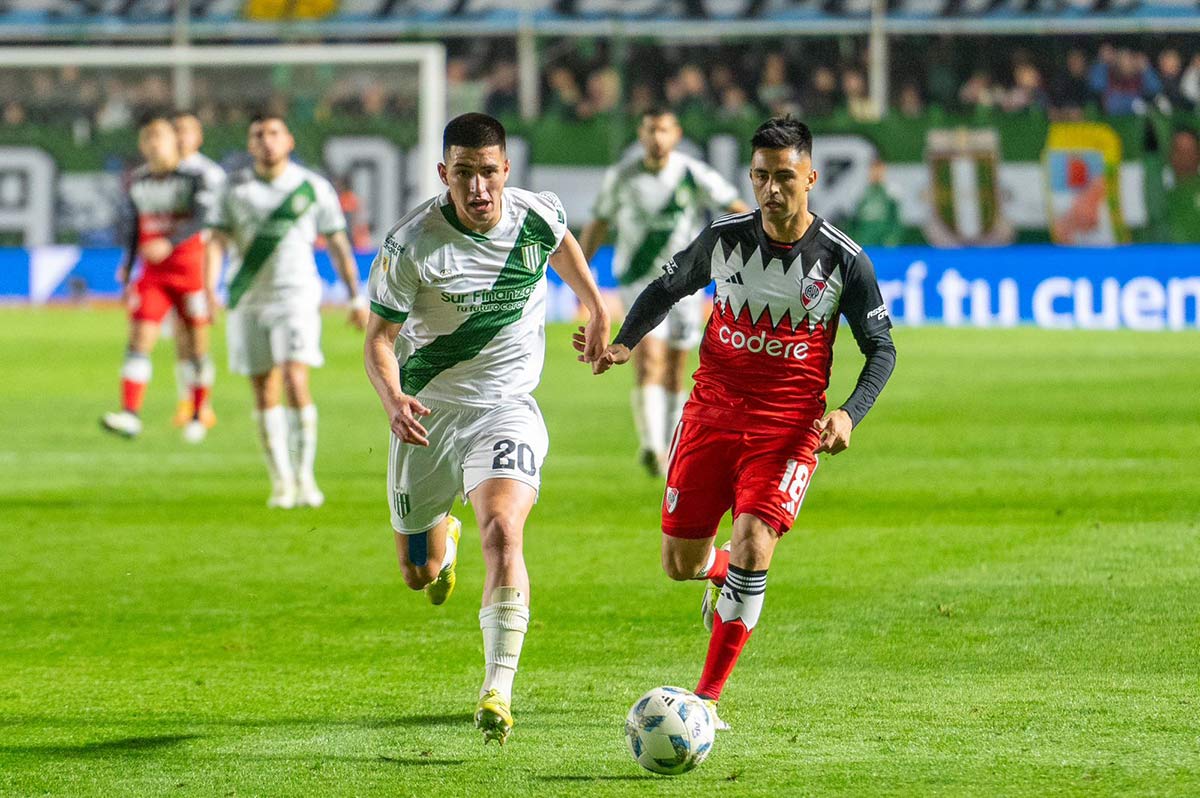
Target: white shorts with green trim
x=261, y=337
x=466, y=447
x=683, y=325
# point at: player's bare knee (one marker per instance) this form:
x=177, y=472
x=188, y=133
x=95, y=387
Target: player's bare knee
x=502, y=538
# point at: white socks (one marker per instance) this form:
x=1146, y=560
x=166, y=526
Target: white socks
x=504, y=623
x=302, y=442
x=185, y=378
x=742, y=597
x=273, y=435
x=675, y=402
x=654, y=418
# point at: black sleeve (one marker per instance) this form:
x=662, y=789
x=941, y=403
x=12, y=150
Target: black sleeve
x=865, y=310
x=198, y=220
x=127, y=227
x=683, y=275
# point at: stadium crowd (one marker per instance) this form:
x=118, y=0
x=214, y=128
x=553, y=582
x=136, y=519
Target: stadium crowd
x=583, y=79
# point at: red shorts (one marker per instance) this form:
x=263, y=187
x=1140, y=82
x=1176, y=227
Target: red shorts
x=154, y=296
x=712, y=470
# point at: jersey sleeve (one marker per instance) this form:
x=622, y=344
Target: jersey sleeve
x=548, y=206
x=392, y=285
x=716, y=192
x=605, y=206
x=683, y=275
x=330, y=218
x=128, y=230
x=691, y=268
x=862, y=302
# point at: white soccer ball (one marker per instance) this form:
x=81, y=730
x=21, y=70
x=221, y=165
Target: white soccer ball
x=669, y=730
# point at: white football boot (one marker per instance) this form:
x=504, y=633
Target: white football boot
x=122, y=423
x=283, y=496
x=195, y=431
x=309, y=495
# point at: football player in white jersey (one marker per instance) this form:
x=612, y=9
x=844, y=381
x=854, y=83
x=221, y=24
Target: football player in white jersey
x=269, y=218
x=658, y=202
x=454, y=346
x=187, y=373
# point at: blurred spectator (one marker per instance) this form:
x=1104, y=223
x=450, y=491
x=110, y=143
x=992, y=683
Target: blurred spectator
x=1170, y=72
x=463, y=92
x=876, y=219
x=115, y=112
x=858, y=102
x=1027, y=92
x=1072, y=92
x=1124, y=80
x=1183, y=197
x=910, y=103
x=774, y=89
x=14, y=113
x=1189, y=84
x=502, y=90
x=565, y=96
x=603, y=93
x=642, y=97
x=821, y=97
x=694, y=87
x=356, y=218
x=736, y=106
x=980, y=92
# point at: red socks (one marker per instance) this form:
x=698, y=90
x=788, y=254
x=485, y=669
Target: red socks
x=132, y=394
x=724, y=647
x=719, y=568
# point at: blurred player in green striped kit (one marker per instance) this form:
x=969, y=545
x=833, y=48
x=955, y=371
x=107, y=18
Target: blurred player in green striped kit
x=268, y=219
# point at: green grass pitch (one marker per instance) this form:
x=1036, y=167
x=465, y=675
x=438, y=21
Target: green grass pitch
x=996, y=591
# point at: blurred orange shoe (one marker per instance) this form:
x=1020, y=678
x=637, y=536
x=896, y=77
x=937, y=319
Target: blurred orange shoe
x=207, y=417
x=183, y=413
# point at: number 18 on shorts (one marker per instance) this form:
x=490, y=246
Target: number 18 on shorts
x=466, y=447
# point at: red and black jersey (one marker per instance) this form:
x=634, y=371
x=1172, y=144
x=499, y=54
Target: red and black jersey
x=768, y=346
x=175, y=205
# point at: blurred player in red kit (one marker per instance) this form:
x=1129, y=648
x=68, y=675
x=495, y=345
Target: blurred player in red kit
x=167, y=208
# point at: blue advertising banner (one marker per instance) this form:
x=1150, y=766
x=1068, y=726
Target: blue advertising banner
x=1146, y=287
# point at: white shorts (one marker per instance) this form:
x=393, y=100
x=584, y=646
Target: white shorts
x=264, y=336
x=466, y=447
x=683, y=325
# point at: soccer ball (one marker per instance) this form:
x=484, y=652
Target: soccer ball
x=669, y=730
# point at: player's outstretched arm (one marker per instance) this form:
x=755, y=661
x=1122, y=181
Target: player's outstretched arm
x=342, y=255
x=572, y=267
x=403, y=411
x=214, y=259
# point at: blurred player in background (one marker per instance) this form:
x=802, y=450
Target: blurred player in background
x=753, y=426
x=457, y=337
x=658, y=201
x=268, y=219
x=191, y=137
x=165, y=214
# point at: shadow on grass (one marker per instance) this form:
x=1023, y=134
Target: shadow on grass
x=419, y=760
x=120, y=745
x=568, y=777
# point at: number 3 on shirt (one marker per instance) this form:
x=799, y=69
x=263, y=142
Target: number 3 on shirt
x=504, y=460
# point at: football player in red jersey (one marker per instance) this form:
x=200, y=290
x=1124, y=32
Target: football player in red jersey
x=166, y=213
x=756, y=419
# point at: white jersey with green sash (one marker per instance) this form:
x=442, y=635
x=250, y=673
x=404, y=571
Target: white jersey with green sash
x=657, y=214
x=473, y=305
x=274, y=225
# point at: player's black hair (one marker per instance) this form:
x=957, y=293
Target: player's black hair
x=783, y=132
x=655, y=111
x=474, y=131
x=150, y=117
x=266, y=116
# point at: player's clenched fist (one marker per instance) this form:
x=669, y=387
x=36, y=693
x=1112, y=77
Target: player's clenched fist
x=405, y=424
x=835, y=429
